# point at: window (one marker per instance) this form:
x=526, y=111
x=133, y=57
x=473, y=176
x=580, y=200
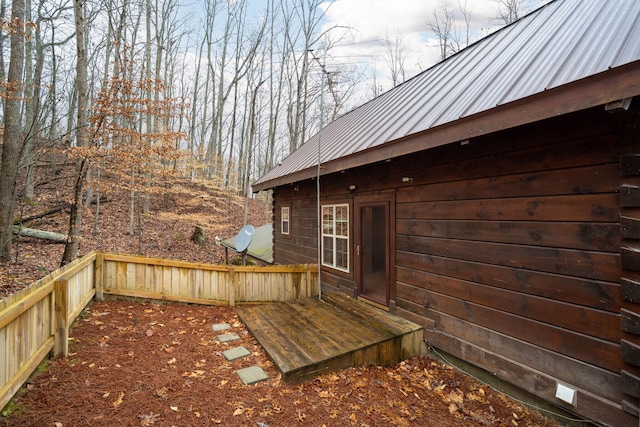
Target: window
x=335, y=236
x=284, y=220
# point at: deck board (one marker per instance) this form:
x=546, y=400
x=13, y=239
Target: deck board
x=309, y=336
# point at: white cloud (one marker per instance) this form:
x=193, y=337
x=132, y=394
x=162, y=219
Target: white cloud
x=372, y=21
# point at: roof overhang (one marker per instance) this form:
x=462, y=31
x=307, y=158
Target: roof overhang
x=599, y=89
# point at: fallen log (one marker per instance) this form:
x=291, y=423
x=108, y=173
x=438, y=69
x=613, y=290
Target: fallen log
x=53, y=210
x=40, y=234
x=48, y=212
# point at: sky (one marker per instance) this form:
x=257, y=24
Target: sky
x=370, y=22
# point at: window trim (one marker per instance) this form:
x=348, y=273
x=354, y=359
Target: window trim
x=335, y=237
x=288, y=220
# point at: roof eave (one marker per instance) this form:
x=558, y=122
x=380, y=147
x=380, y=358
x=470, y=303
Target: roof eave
x=611, y=85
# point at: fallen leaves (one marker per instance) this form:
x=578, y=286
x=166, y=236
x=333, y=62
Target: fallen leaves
x=195, y=374
x=162, y=392
x=243, y=410
x=186, y=385
x=147, y=420
x=118, y=401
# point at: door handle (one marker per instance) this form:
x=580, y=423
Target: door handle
x=357, y=250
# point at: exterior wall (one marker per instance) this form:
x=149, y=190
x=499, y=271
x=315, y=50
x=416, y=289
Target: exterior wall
x=302, y=243
x=507, y=251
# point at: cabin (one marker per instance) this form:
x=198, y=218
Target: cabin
x=494, y=199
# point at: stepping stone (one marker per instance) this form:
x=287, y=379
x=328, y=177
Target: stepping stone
x=221, y=327
x=252, y=374
x=236, y=353
x=228, y=337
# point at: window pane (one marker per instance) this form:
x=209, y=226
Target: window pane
x=342, y=228
x=327, y=213
x=327, y=252
x=327, y=220
x=342, y=254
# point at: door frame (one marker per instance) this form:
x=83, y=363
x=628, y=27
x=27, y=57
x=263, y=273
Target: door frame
x=388, y=200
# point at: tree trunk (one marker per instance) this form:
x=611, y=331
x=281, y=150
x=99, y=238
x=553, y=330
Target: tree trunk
x=13, y=143
x=75, y=219
x=29, y=122
x=71, y=246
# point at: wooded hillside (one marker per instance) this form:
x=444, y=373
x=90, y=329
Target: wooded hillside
x=165, y=232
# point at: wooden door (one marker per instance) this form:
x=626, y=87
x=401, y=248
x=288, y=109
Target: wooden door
x=373, y=250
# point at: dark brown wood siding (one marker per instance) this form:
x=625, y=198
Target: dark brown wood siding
x=508, y=252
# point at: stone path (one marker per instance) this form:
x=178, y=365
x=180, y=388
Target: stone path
x=250, y=375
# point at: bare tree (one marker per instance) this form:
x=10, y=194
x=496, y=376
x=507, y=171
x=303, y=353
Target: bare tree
x=510, y=10
x=13, y=143
x=300, y=39
x=276, y=87
x=394, y=57
x=442, y=27
x=448, y=33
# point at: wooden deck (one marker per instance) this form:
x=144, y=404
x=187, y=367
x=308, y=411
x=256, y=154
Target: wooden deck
x=307, y=337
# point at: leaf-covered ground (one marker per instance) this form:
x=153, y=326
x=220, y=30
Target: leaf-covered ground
x=165, y=230
x=141, y=364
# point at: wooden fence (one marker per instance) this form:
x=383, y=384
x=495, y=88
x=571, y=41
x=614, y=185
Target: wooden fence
x=35, y=320
x=204, y=283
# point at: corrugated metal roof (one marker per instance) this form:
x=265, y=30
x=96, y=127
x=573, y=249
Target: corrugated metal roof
x=563, y=42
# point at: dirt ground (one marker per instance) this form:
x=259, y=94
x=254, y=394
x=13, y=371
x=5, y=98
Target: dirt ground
x=143, y=364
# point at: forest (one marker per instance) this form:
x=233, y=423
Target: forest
x=138, y=94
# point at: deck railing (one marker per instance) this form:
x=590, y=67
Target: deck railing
x=35, y=321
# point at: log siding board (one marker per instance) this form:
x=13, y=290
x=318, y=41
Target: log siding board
x=575, y=208
x=598, y=323
x=604, y=237
x=629, y=196
x=630, y=164
x=630, y=383
x=589, y=265
x=577, y=291
x=629, y=227
x=630, y=290
x=590, y=179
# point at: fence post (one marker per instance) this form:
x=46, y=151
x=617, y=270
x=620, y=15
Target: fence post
x=61, y=338
x=98, y=279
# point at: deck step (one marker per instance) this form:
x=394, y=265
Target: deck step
x=307, y=337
